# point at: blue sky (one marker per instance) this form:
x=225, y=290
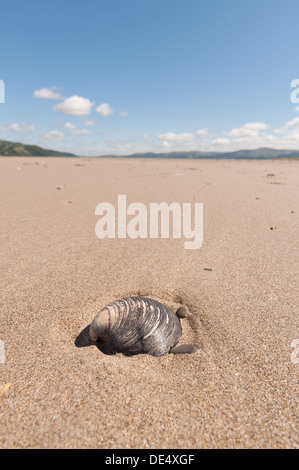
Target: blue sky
x=123, y=76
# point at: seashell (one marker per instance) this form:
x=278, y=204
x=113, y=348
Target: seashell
x=136, y=325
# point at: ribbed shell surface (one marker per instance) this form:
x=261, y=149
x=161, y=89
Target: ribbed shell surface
x=137, y=325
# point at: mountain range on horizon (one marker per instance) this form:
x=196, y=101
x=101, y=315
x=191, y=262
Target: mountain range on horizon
x=17, y=149
x=259, y=153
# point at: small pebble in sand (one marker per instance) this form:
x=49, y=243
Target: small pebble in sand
x=208, y=269
x=184, y=349
x=182, y=312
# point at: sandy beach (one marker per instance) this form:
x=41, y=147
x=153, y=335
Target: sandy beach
x=239, y=390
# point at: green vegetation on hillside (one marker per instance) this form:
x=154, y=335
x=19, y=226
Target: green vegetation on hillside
x=16, y=149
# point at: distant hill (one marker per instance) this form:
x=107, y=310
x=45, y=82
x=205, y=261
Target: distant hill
x=16, y=149
x=192, y=154
x=260, y=154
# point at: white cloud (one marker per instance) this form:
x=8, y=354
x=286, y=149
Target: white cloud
x=250, y=129
x=53, y=136
x=203, y=132
x=292, y=137
x=256, y=126
x=166, y=144
x=293, y=123
x=177, y=138
x=19, y=127
x=123, y=113
x=104, y=109
x=270, y=138
x=75, y=105
x=69, y=125
x=221, y=141
x=90, y=123
x=73, y=129
x=281, y=130
x=289, y=133
x=22, y=127
x=146, y=138
x=47, y=93
x=80, y=132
